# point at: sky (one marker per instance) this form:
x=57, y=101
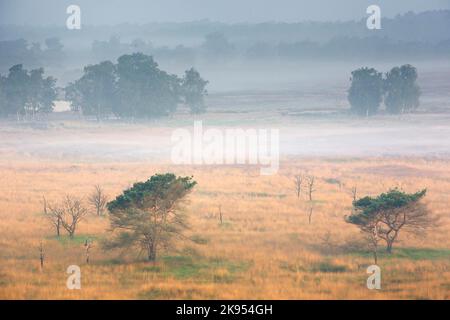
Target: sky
x=110, y=12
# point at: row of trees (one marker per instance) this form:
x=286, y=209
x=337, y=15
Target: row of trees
x=149, y=216
x=218, y=47
x=26, y=93
x=398, y=87
x=135, y=87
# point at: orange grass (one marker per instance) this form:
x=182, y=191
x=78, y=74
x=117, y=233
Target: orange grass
x=266, y=249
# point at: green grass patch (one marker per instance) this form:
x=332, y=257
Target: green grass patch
x=77, y=239
x=328, y=267
x=155, y=293
x=325, y=267
x=167, y=294
x=409, y=253
x=291, y=267
x=3, y=280
x=198, y=239
x=333, y=181
x=200, y=268
x=155, y=269
x=265, y=195
x=112, y=262
x=225, y=225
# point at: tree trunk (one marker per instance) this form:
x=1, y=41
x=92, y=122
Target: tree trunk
x=390, y=241
x=151, y=252
x=389, y=246
x=375, y=253
x=58, y=226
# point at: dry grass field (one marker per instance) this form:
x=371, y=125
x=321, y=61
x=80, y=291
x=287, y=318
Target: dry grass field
x=264, y=249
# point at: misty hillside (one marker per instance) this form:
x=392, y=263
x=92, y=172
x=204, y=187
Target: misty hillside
x=410, y=36
x=430, y=26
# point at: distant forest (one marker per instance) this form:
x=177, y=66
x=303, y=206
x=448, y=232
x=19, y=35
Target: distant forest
x=409, y=36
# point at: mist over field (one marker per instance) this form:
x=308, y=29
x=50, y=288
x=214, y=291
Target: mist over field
x=133, y=146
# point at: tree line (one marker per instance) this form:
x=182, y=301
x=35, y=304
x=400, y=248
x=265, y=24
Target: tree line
x=219, y=47
x=134, y=87
x=407, y=36
x=398, y=89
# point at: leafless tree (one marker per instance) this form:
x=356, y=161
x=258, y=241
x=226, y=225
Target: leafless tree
x=88, y=245
x=310, y=213
x=310, y=180
x=74, y=212
x=98, y=200
x=220, y=215
x=67, y=214
x=41, y=255
x=298, y=185
x=354, y=193
x=54, y=215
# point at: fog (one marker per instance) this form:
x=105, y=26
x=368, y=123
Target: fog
x=101, y=12
x=284, y=61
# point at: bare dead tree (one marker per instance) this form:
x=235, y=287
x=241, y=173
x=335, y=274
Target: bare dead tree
x=88, y=245
x=220, y=215
x=54, y=215
x=67, y=214
x=98, y=200
x=310, y=180
x=74, y=212
x=298, y=185
x=310, y=213
x=354, y=193
x=41, y=255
